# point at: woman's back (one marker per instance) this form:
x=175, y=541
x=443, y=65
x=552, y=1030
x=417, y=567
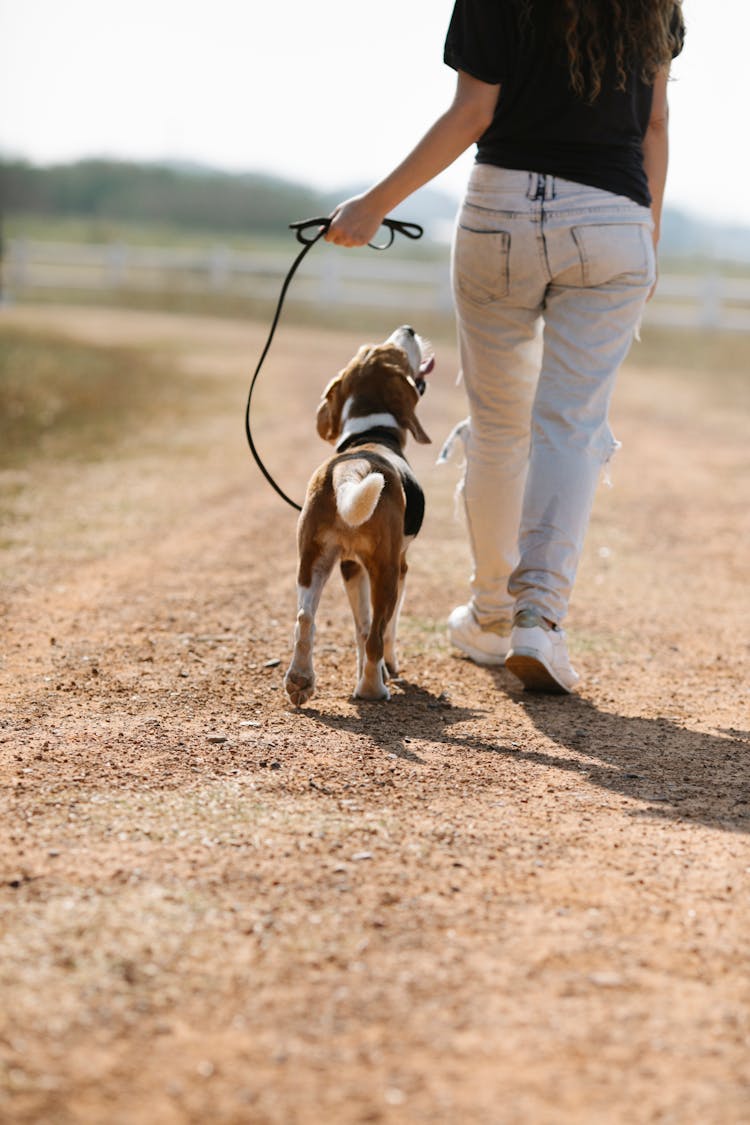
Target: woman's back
x=542, y=123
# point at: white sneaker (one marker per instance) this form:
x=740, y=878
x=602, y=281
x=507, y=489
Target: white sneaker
x=538, y=654
x=483, y=646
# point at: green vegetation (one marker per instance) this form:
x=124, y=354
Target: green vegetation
x=93, y=230
x=90, y=230
x=101, y=201
x=107, y=193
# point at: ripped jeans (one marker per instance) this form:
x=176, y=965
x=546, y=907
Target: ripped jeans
x=550, y=279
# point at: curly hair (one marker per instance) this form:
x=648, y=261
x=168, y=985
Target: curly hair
x=646, y=33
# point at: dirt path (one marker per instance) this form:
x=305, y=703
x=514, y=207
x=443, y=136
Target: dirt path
x=468, y=905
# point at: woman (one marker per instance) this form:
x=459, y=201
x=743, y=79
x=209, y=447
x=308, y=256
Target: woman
x=553, y=259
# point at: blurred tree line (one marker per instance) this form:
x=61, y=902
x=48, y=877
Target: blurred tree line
x=192, y=197
x=183, y=196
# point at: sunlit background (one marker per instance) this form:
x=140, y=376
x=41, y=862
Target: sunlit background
x=328, y=93
x=219, y=124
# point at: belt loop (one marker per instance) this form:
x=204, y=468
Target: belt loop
x=540, y=187
x=553, y=187
x=530, y=193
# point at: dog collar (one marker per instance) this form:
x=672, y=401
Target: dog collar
x=382, y=435
x=365, y=425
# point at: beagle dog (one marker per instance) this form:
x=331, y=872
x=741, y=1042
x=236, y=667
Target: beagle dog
x=363, y=508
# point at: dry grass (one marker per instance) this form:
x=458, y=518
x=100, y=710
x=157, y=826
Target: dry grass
x=64, y=399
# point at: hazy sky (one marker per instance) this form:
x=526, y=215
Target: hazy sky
x=331, y=92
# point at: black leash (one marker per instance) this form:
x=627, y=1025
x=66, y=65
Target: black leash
x=394, y=227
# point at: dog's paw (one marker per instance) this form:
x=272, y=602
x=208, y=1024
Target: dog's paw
x=374, y=692
x=299, y=687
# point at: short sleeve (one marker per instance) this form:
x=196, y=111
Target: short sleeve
x=477, y=39
x=677, y=31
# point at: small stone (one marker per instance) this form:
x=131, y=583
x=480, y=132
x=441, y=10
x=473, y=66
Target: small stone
x=358, y=856
x=275, y=765
x=250, y=723
x=272, y=663
x=217, y=738
x=606, y=980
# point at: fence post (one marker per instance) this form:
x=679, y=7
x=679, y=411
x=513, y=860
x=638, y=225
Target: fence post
x=19, y=262
x=117, y=256
x=219, y=267
x=710, y=310
x=330, y=277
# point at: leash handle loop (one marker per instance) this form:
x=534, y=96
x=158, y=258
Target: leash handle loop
x=393, y=226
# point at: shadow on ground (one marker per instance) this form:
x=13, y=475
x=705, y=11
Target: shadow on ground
x=672, y=772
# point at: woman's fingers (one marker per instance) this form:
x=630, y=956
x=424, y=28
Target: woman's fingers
x=353, y=223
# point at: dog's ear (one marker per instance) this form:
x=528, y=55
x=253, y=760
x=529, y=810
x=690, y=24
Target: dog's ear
x=414, y=426
x=334, y=396
x=328, y=419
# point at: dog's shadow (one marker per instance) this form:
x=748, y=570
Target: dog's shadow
x=667, y=770
x=412, y=715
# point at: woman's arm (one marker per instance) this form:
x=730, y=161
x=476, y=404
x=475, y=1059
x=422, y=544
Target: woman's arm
x=656, y=149
x=356, y=221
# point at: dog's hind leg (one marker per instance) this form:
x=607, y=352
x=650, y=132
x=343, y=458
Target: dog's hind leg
x=384, y=581
x=357, y=587
x=391, y=630
x=299, y=680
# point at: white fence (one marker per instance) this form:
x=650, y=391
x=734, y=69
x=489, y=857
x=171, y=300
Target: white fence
x=327, y=278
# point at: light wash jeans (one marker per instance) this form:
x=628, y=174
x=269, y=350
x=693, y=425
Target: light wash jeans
x=550, y=279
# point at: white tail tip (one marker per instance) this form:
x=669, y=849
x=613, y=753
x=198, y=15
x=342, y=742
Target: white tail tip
x=356, y=500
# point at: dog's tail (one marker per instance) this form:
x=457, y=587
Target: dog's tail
x=357, y=490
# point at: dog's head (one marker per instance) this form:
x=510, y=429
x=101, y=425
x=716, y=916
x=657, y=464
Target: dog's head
x=380, y=379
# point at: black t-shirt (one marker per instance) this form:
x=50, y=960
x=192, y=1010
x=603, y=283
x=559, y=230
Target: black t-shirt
x=541, y=124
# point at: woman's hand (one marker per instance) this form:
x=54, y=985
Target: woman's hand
x=354, y=222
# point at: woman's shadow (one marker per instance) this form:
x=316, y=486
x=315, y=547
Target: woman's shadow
x=672, y=773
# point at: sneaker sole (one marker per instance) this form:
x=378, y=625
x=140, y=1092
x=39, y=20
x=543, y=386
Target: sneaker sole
x=534, y=674
x=478, y=656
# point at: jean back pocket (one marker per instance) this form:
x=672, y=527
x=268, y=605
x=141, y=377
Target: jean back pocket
x=610, y=250
x=481, y=264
